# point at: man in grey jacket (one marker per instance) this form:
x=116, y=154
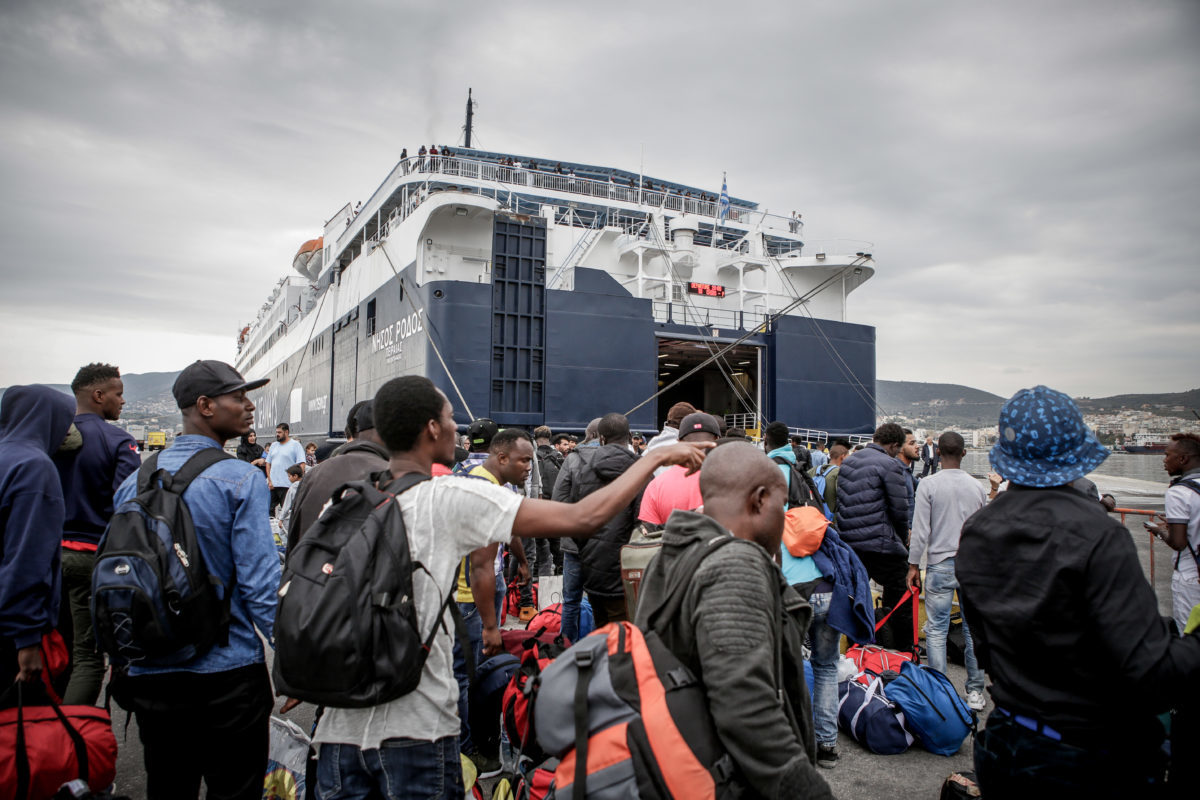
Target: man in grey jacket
x=740, y=627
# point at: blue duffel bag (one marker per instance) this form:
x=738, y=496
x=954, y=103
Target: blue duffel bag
x=871, y=719
x=932, y=708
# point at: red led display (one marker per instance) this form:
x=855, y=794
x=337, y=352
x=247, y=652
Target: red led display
x=706, y=289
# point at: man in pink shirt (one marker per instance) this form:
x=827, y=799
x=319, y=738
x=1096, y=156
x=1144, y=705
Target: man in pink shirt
x=674, y=488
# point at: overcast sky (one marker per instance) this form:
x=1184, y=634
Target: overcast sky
x=1028, y=172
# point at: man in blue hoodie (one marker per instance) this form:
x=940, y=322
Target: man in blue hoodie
x=90, y=476
x=34, y=421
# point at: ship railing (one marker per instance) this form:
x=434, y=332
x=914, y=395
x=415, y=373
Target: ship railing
x=747, y=422
x=687, y=314
x=569, y=184
x=809, y=434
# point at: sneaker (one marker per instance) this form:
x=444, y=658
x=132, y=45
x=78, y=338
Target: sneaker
x=827, y=755
x=528, y=613
x=485, y=766
x=975, y=700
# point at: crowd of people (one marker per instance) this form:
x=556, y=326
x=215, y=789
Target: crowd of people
x=1057, y=613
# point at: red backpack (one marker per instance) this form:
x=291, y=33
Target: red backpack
x=549, y=618
x=518, y=716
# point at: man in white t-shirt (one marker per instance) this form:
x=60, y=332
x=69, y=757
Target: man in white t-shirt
x=1182, y=530
x=409, y=747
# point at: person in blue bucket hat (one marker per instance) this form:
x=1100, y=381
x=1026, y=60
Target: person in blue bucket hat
x=1064, y=622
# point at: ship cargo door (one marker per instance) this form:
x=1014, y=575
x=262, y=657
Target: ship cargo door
x=518, y=394
x=729, y=387
x=345, y=370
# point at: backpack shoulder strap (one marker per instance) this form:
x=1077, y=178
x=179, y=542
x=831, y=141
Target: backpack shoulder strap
x=1190, y=483
x=398, y=486
x=191, y=469
x=146, y=471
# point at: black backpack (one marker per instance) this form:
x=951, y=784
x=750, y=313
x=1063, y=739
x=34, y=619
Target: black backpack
x=801, y=490
x=154, y=602
x=346, y=629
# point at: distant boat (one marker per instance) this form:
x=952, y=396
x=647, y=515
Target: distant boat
x=1147, y=443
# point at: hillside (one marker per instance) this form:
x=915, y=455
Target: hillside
x=1172, y=403
x=939, y=404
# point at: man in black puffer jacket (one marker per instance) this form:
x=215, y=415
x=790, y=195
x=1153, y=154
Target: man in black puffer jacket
x=872, y=517
x=588, y=470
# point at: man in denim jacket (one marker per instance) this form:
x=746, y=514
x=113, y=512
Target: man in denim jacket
x=208, y=717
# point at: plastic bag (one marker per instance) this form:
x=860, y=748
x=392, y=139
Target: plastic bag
x=286, y=761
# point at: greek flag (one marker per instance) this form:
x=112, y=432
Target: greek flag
x=723, y=206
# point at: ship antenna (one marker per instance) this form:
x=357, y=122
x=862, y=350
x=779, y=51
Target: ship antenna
x=470, y=115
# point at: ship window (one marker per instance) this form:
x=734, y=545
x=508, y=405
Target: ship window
x=676, y=292
x=371, y=318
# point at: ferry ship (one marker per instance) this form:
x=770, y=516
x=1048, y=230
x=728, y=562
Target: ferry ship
x=539, y=292
x=1147, y=443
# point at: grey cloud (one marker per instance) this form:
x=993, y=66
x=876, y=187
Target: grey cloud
x=1029, y=170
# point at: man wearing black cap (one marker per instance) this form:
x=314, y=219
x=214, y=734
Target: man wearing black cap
x=1064, y=622
x=356, y=460
x=673, y=488
x=207, y=718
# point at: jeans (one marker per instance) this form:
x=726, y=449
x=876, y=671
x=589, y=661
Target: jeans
x=572, y=595
x=824, y=643
x=1013, y=761
x=940, y=584
x=87, y=665
x=474, y=624
x=401, y=769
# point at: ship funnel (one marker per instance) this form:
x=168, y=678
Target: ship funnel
x=309, y=258
x=684, y=231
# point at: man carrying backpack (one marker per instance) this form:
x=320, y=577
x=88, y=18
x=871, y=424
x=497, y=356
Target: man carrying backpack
x=207, y=716
x=597, y=559
x=825, y=476
x=739, y=627
x=407, y=747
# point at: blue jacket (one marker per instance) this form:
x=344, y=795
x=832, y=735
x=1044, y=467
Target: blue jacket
x=872, y=512
x=34, y=420
x=851, y=610
x=90, y=476
x=228, y=503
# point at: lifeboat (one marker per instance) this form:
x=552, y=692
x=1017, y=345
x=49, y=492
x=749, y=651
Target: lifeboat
x=309, y=258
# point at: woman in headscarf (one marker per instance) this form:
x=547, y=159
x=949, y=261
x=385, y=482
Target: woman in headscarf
x=250, y=450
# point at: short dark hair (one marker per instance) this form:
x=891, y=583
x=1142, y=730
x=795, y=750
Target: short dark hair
x=888, y=433
x=1188, y=443
x=562, y=437
x=614, y=428
x=92, y=375
x=403, y=406
x=951, y=444
x=837, y=448
x=351, y=418
x=295, y=469
x=907, y=431
x=503, y=441
x=283, y=425
x=776, y=434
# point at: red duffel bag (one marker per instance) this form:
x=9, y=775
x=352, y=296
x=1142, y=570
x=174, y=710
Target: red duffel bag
x=44, y=745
